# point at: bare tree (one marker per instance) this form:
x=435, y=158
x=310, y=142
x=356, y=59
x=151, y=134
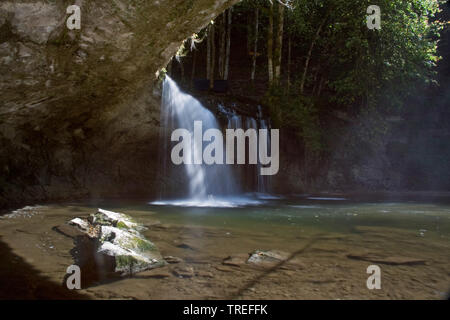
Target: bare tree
x=222, y=46
x=227, y=57
x=270, y=44
x=308, y=57
x=289, y=64
x=274, y=53
x=279, y=43
x=208, y=53
x=255, y=44
x=213, y=56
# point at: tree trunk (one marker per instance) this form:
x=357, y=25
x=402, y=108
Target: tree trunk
x=289, y=65
x=315, y=81
x=319, y=91
x=255, y=45
x=305, y=160
x=222, y=46
x=213, y=57
x=227, y=57
x=249, y=33
x=208, y=52
x=308, y=57
x=279, y=43
x=270, y=44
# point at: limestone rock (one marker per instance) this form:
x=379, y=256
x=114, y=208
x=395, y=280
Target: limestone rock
x=85, y=96
x=267, y=258
x=33, y=21
x=264, y=259
x=118, y=235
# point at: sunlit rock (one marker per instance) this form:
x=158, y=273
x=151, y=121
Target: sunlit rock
x=267, y=258
x=118, y=235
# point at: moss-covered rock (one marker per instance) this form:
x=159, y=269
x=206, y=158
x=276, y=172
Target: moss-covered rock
x=118, y=235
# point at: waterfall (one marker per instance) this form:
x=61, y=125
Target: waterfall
x=204, y=185
x=263, y=181
x=235, y=121
x=180, y=110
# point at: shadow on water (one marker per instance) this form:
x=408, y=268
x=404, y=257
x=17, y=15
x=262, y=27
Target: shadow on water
x=20, y=281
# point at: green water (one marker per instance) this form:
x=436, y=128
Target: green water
x=333, y=241
x=327, y=215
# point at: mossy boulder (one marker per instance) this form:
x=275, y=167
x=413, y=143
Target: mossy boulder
x=118, y=235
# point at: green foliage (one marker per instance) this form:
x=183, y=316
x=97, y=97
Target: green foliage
x=361, y=65
x=366, y=73
x=298, y=114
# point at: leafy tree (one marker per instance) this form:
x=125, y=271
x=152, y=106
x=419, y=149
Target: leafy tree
x=364, y=66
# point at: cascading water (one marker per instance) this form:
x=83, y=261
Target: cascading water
x=235, y=121
x=207, y=185
x=263, y=181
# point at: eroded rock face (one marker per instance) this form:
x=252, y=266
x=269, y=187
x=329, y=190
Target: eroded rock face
x=79, y=113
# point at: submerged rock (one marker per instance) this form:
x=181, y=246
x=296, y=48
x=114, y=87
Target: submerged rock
x=184, y=271
x=267, y=257
x=264, y=259
x=188, y=246
x=118, y=235
x=172, y=259
x=224, y=269
x=391, y=260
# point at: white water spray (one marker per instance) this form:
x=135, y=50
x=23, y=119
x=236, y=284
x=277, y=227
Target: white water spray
x=180, y=110
x=216, y=185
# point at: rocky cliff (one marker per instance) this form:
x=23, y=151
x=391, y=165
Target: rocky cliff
x=79, y=114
